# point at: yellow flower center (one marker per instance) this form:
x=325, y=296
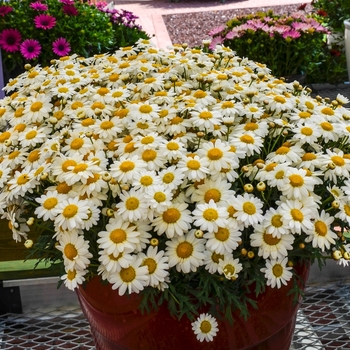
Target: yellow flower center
x=200, y=94
x=146, y=180
x=215, y=154
x=19, y=112
x=283, y=150
x=309, y=105
x=22, y=179
x=338, y=161
x=205, y=115
x=70, y=211
x=277, y=270
x=306, y=131
x=34, y=156
x=103, y=91
x=77, y=144
x=58, y=115
x=149, y=80
x=229, y=269
x=132, y=203
x=321, y=228
x=63, y=89
x=227, y=104
x=163, y=113
x=20, y=127
x=5, y=136
x=126, y=166
x=205, y=327
x=63, y=188
x=171, y=215
x=297, y=215
x=326, y=126
x=149, y=155
x=247, y=139
x=87, y=122
x=36, y=106
x=222, y=234
x=146, y=109
x=249, y=208
x=127, y=275
x=168, y=178
x=327, y=111
x=98, y=105
x=193, y=164
x=347, y=209
x=118, y=236
x=251, y=127
x=80, y=167
x=142, y=126
x=50, y=203
x=70, y=251
x=68, y=163
x=213, y=194
x=308, y=156
x=14, y=154
x=231, y=211
x=77, y=104
x=276, y=220
x=172, y=146
x=210, y=214
x=280, y=99
x=71, y=275
x=304, y=115
x=270, y=240
x=130, y=147
x=159, y=197
x=296, y=180
x=113, y=77
x=147, y=140
x=93, y=179
x=151, y=264
x=106, y=125
x=216, y=257
x=253, y=109
x=184, y=250
x=270, y=167
x=176, y=120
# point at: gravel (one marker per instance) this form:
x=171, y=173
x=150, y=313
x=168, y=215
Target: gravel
x=192, y=28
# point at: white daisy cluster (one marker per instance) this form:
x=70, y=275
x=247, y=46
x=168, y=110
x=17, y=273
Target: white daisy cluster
x=150, y=165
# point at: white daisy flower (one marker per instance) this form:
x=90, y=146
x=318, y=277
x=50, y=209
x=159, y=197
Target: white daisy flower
x=297, y=215
x=344, y=211
x=157, y=265
x=274, y=223
x=73, y=278
x=286, y=153
x=144, y=111
x=37, y=108
x=132, y=205
x=335, y=165
x=248, y=142
x=248, y=209
x=211, y=261
x=48, y=202
x=125, y=169
x=145, y=179
x=193, y=168
x=185, y=252
x=172, y=177
x=329, y=131
x=153, y=159
x=119, y=237
x=77, y=143
x=112, y=263
x=70, y=213
x=75, y=250
x=204, y=119
x=230, y=267
x=32, y=136
x=270, y=246
x=277, y=273
x=205, y=327
x=158, y=198
x=321, y=235
x=176, y=220
x=131, y=279
x=209, y=216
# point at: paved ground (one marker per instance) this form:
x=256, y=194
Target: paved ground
x=150, y=11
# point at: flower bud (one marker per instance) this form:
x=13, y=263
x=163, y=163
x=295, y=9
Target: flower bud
x=28, y=243
x=251, y=254
x=198, y=234
x=336, y=254
x=30, y=221
x=106, y=176
x=110, y=212
x=335, y=204
x=248, y=188
x=261, y=186
x=154, y=242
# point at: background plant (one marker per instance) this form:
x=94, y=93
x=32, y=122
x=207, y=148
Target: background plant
x=85, y=28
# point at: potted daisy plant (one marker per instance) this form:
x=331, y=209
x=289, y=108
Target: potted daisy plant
x=181, y=190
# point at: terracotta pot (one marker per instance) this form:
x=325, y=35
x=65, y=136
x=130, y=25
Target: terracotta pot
x=117, y=324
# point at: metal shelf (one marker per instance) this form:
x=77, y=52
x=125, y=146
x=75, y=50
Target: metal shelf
x=323, y=323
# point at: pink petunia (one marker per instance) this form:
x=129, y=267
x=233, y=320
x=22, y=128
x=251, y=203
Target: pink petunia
x=30, y=49
x=44, y=21
x=10, y=40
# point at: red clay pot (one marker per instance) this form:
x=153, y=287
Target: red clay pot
x=117, y=324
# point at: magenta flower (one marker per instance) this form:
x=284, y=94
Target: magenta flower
x=4, y=10
x=38, y=6
x=70, y=10
x=292, y=34
x=10, y=40
x=61, y=47
x=30, y=49
x=67, y=2
x=44, y=21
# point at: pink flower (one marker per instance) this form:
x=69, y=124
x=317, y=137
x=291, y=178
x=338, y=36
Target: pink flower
x=30, y=49
x=38, y=6
x=217, y=30
x=216, y=41
x=4, y=10
x=10, y=40
x=70, y=10
x=61, y=47
x=293, y=34
x=44, y=21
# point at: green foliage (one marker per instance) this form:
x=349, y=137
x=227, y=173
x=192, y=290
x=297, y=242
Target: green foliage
x=91, y=31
